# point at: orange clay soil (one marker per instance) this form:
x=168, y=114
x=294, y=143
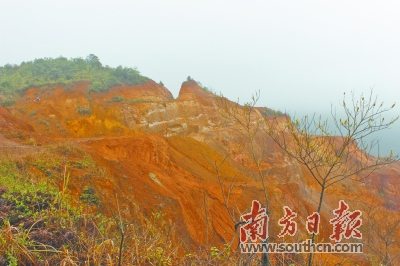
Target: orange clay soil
x=162, y=153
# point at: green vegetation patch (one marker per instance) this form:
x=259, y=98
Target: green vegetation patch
x=122, y=99
x=84, y=110
x=89, y=196
x=117, y=99
x=271, y=113
x=47, y=72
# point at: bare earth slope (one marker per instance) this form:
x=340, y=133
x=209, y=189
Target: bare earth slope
x=161, y=154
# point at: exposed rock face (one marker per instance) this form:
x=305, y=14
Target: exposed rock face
x=163, y=154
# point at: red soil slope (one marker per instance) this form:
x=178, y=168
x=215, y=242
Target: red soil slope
x=7, y=120
x=162, y=154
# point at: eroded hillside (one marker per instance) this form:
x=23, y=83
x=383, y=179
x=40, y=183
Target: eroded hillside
x=183, y=157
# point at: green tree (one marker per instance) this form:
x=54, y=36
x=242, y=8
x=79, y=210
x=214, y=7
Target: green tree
x=93, y=61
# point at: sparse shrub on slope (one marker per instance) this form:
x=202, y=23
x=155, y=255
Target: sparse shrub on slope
x=204, y=88
x=43, y=225
x=84, y=110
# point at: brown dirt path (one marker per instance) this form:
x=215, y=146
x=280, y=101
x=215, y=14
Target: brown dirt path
x=10, y=147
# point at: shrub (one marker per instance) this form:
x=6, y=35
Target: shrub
x=84, y=110
x=88, y=196
x=7, y=102
x=44, y=122
x=204, y=88
x=271, y=113
x=137, y=101
x=117, y=98
x=31, y=142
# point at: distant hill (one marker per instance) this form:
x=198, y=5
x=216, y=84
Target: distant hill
x=61, y=71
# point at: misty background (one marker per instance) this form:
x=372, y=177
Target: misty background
x=301, y=55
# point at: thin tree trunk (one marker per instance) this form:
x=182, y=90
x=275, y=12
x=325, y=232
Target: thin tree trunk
x=321, y=199
x=265, y=259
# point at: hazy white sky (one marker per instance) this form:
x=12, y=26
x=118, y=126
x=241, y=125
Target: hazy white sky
x=301, y=55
